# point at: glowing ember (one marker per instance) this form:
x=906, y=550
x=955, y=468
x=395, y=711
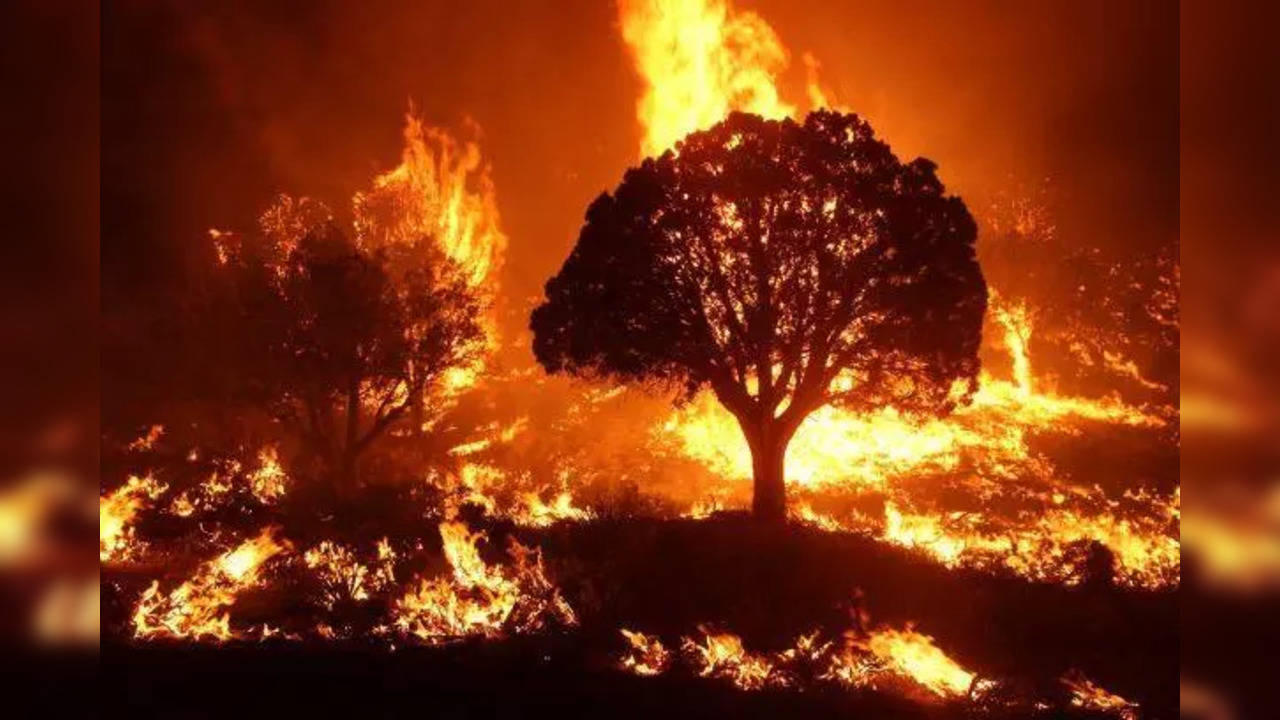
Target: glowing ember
x=479, y=599
x=199, y=608
x=148, y=441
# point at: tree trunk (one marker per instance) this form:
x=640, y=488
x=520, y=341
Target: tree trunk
x=768, y=459
x=347, y=463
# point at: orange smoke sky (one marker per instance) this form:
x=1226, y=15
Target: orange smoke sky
x=210, y=109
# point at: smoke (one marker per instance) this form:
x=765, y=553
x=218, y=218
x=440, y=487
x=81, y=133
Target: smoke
x=238, y=101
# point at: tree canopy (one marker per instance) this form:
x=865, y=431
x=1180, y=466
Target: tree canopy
x=345, y=340
x=784, y=266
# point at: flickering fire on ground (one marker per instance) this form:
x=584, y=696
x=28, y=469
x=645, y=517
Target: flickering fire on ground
x=698, y=61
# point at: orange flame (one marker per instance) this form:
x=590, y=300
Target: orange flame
x=1087, y=695
x=117, y=512
x=268, y=481
x=479, y=599
x=838, y=450
x=914, y=655
x=441, y=192
x=700, y=60
x=723, y=655
x=646, y=654
x=199, y=607
x=343, y=577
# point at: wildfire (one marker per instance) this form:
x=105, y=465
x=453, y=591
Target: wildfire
x=479, y=599
x=199, y=608
x=268, y=481
x=700, y=60
x=703, y=509
x=497, y=492
x=1087, y=695
x=842, y=449
x=646, y=654
x=902, y=659
x=343, y=577
x=864, y=660
x=117, y=512
x=148, y=441
x=1015, y=318
x=879, y=451
x=537, y=513
x=723, y=655
x=441, y=192
x=911, y=654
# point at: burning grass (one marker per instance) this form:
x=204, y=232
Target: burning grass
x=901, y=660
x=990, y=527
x=199, y=608
x=479, y=599
x=992, y=517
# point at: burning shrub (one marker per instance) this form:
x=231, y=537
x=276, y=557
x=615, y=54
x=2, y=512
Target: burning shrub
x=479, y=599
x=346, y=341
x=117, y=512
x=198, y=608
x=343, y=578
x=900, y=660
x=646, y=656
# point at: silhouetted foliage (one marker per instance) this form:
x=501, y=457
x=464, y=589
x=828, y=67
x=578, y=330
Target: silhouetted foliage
x=782, y=265
x=341, y=349
x=1099, y=314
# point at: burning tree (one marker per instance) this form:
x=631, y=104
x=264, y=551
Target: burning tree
x=343, y=340
x=784, y=266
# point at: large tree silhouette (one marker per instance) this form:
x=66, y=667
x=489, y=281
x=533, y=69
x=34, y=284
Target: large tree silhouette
x=782, y=265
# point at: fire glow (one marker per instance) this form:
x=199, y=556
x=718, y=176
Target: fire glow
x=880, y=658
x=875, y=473
x=479, y=599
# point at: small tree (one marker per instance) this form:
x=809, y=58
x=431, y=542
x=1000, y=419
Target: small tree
x=344, y=347
x=782, y=265
x=1102, y=312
